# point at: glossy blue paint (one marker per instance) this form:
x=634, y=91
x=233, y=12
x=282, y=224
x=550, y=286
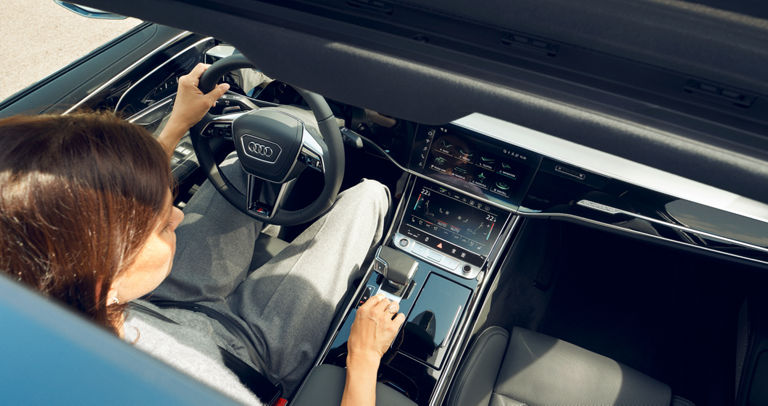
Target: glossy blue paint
x=49, y=355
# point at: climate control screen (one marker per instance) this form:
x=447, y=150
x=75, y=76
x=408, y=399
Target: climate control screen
x=452, y=223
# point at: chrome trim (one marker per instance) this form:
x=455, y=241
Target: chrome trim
x=412, y=250
x=612, y=166
x=178, y=54
x=307, y=140
x=248, y=148
x=310, y=143
x=613, y=211
x=150, y=109
x=125, y=71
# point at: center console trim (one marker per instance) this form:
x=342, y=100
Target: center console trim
x=465, y=327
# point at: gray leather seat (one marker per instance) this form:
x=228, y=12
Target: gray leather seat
x=325, y=386
x=527, y=368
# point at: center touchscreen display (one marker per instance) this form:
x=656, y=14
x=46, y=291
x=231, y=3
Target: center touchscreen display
x=452, y=223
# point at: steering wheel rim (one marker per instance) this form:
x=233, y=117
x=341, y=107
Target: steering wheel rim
x=332, y=154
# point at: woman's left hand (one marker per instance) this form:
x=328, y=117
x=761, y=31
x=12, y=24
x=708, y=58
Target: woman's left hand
x=191, y=104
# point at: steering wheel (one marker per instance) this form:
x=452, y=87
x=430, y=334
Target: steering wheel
x=274, y=146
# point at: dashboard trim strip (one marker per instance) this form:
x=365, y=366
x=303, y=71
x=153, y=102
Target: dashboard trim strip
x=612, y=166
x=641, y=234
x=178, y=54
x=613, y=210
x=126, y=71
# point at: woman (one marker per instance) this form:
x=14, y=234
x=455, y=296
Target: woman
x=86, y=217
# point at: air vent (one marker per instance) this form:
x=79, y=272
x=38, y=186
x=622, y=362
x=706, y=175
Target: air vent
x=376, y=6
x=721, y=93
x=536, y=44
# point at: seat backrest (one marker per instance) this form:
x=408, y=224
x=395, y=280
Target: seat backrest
x=525, y=367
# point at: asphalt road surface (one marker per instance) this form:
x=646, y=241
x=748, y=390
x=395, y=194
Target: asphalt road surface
x=40, y=37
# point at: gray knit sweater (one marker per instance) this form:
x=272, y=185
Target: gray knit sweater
x=190, y=346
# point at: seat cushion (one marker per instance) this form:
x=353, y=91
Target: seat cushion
x=540, y=370
x=325, y=386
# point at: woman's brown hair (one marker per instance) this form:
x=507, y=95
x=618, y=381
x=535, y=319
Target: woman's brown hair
x=79, y=196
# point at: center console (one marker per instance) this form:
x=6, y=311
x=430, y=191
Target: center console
x=445, y=241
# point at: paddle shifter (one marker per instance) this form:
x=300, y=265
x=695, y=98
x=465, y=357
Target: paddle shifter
x=397, y=268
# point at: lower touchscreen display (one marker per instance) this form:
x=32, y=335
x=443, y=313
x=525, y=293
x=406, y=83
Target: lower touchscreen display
x=452, y=222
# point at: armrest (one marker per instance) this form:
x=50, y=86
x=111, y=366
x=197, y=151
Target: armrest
x=325, y=386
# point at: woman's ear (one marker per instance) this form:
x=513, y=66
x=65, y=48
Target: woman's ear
x=112, y=296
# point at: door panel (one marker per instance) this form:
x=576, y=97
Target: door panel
x=98, y=79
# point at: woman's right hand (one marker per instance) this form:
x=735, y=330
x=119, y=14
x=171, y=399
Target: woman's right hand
x=373, y=330
x=372, y=333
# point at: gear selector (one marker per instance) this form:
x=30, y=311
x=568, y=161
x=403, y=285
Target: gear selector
x=397, y=268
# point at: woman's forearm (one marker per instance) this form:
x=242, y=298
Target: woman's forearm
x=171, y=135
x=360, y=387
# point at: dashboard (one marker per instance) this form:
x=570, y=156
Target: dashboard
x=476, y=173
x=532, y=174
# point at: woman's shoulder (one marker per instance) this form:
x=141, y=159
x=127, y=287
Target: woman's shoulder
x=185, y=340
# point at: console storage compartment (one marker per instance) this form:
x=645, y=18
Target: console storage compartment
x=432, y=321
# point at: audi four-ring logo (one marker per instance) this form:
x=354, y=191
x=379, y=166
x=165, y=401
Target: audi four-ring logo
x=260, y=149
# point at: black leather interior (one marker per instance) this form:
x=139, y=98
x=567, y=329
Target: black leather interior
x=325, y=386
x=525, y=367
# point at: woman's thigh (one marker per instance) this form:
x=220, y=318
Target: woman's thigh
x=214, y=245
x=290, y=301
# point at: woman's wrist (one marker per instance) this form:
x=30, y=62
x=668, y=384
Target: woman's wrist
x=171, y=135
x=363, y=361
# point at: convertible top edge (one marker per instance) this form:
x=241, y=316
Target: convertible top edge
x=432, y=94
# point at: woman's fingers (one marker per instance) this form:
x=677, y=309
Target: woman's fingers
x=374, y=327
x=398, y=321
x=393, y=307
x=191, y=104
x=217, y=92
x=198, y=70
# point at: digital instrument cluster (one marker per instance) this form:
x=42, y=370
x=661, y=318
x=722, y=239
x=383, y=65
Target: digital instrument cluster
x=500, y=173
x=452, y=223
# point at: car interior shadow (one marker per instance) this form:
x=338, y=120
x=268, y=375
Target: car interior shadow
x=666, y=312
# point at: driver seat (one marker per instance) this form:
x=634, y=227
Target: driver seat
x=523, y=367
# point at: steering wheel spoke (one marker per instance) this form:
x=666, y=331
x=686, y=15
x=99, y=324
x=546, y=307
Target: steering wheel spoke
x=219, y=126
x=231, y=101
x=311, y=153
x=264, y=199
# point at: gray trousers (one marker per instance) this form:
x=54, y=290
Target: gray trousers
x=288, y=303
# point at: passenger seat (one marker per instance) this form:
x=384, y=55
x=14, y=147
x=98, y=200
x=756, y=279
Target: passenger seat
x=527, y=368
